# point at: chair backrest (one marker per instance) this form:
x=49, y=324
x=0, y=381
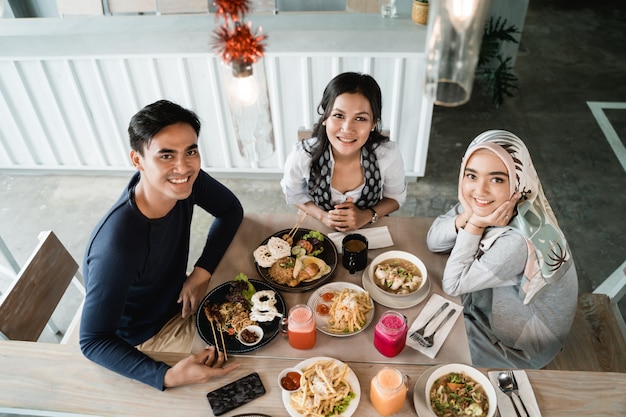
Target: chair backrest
x=33, y=296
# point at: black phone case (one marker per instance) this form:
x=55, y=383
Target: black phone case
x=236, y=394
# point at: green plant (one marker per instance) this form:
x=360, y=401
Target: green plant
x=494, y=70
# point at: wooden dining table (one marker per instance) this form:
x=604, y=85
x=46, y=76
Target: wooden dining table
x=57, y=380
x=407, y=233
x=41, y=379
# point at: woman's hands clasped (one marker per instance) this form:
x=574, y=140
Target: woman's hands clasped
x=346, y=217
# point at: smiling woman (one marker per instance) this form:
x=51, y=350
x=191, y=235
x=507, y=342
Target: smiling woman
x=508, y=257
x=349, y=174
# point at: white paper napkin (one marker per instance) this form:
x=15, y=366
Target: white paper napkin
x=377, y=237
x=429, y=309
x=525, y=391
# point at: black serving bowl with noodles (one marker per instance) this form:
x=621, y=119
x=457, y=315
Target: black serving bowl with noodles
x=328, y=255
x=232, y=343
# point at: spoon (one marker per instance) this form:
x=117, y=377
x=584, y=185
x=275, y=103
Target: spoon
x=505, y=383
x=516, y=390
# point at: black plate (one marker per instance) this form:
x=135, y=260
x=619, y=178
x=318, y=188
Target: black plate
x=233, y=345
x=328, y=255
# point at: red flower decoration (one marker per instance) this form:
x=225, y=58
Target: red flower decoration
x=239, y=43
x=231, y=8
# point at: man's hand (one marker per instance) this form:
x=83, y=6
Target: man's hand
x=197, y=369
x=194, y=290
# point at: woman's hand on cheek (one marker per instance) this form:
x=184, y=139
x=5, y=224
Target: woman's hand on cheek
x=501, y=216
x=463, y=218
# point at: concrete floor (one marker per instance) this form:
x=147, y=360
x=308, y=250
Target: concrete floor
x=572, y=54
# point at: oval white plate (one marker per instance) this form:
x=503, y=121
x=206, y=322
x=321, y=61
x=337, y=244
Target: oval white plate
x=351, y=378
x=391, y=301
x=321, y=321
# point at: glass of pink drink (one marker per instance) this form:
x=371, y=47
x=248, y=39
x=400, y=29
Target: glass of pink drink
x=390, y=333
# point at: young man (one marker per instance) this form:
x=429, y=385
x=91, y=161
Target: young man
x=139, y=296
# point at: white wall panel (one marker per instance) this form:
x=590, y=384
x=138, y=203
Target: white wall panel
x=69, y=110
x=74, y=114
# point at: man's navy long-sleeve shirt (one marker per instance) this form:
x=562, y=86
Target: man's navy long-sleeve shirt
x=134, y=269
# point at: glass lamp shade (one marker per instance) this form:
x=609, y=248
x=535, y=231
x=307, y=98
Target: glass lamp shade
x=455, y=34
x=246, y=92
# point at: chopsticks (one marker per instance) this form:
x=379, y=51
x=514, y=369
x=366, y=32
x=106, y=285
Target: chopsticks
x=211, y=318
x=289, y=236
x=216, y=341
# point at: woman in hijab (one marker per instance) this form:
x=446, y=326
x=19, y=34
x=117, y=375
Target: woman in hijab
x=509, y=260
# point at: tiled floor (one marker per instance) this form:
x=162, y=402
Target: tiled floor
x=572, y=55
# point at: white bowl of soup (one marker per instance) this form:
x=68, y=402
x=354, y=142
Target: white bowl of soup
x=444, y=384
x=398, y=274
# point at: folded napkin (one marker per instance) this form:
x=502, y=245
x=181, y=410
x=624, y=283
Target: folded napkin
x=433, y=304
x=525, y=391
x=377, y=237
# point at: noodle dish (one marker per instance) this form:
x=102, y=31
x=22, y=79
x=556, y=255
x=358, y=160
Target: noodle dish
x=397, y=274
x=456, y=390
x=232, y=310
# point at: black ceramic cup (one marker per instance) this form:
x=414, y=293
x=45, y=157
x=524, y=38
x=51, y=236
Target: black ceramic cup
x=354, y=248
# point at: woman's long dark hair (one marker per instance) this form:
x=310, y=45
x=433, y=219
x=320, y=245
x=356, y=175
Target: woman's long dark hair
x=351, y=83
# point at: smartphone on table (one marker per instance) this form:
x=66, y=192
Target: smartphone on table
x=236, y=394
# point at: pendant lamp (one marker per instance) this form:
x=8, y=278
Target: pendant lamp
x=243, y=76
x=455, y=31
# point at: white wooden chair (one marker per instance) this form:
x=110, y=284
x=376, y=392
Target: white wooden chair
x=31, y=299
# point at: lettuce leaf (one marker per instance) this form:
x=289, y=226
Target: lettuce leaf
x=246, y=292
x=316, y=239
x=342, y=405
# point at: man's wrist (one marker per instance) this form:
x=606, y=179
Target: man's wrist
x=202, y=273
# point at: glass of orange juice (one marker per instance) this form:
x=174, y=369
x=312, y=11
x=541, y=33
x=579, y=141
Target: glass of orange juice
x=301, y=328
x=388, y=391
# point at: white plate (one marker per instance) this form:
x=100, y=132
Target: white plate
x=321, y=321
x=351, y=378
x=391, y=301
x=419, y=399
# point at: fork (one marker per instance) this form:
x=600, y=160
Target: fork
x=427, y=341
x=516, y=390
x=420, y=332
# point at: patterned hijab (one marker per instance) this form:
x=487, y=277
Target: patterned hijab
x=549, y=256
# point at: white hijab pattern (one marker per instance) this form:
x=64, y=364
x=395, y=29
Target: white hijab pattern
x=535, y=220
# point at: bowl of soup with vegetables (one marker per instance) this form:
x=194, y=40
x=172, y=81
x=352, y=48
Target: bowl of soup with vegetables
x=460, y=390
x=398, y=273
